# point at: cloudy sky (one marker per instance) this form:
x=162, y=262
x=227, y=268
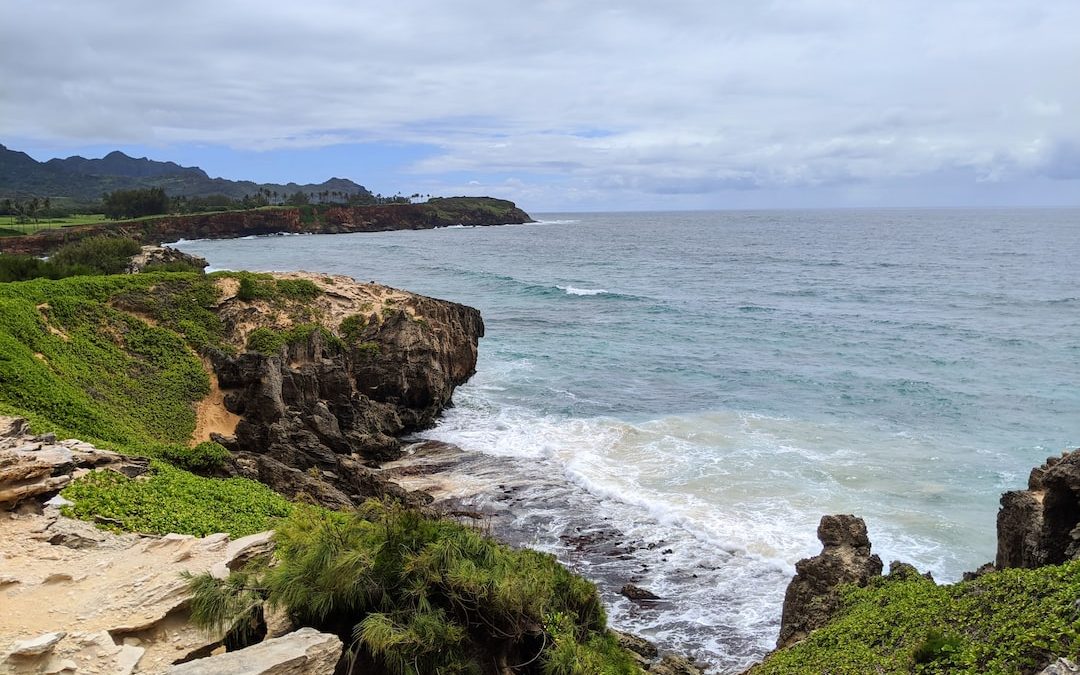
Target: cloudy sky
x=595, y=104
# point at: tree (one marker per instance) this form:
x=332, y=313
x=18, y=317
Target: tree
x=298, y=198
x=135, y=203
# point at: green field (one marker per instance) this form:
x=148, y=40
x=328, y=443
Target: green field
x=10, y=227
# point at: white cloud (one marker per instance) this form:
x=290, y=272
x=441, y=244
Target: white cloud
x=652, y=98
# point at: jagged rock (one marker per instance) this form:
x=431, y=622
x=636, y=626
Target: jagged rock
x=162, y=255
x=1062, y=666
x=310, y=414
x=1041, y=525
x=638, y=593
x=304, y=652
x=845, y=558
x=243, y=551
x=39, y=466
x=672, y=664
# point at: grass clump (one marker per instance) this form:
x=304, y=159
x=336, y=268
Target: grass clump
x=173, y=500
x=1007, y=622
x=352, y=327
x=417, y=594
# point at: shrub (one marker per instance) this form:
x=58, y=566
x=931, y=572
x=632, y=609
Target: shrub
x=252, y=289
x=421, y=594
x=351, y=327
x=103, y=255
x=203, y=458
x=298, y=289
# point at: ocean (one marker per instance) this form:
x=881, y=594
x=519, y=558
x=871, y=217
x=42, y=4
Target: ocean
x=674, y=399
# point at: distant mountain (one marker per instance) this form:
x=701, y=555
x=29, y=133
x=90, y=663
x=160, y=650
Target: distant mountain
x=85, y=180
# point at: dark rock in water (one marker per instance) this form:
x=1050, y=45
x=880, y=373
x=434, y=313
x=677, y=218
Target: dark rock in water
x=983, y=569
x=637, y=593
x=811, y=600
x=649, y=658
x=1041, y=525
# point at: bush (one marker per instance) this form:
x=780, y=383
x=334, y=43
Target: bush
x=298, y=289
x=104, y=255
x=203, y=458
x=135, y=203
x=252, y=288
x=421, y=594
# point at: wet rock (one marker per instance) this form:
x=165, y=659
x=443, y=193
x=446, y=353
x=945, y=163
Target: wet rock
x=638, y=593
x=1041, y=525
x=672, y=664
x=304, y=652
x=810, y=600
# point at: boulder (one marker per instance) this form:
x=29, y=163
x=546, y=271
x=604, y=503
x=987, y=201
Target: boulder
x=811, y=599
x=162, y=255
x=1041, y=525
x=638, y=593
x=304, y=652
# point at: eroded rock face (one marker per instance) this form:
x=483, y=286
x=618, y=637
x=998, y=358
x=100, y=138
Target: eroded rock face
x=304, y=652
x=1041, y=525
x=33, y=467
x=312, y=413
x=845, y=558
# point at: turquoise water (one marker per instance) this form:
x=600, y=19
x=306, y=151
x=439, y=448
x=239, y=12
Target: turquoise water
x=719, y=380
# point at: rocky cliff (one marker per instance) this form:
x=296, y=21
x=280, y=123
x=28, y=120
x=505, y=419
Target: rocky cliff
x=345, y=373
x=1041, y=525
x=479, y=211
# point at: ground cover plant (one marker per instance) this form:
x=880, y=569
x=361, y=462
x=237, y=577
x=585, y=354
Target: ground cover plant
x=1003, y=623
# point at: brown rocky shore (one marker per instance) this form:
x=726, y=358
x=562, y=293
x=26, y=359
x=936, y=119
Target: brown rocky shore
x=441, y=212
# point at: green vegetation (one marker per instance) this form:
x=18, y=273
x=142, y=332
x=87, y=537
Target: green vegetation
x=265, y=287
x=1005, y=622
x=351, y=327
x=173, y=500
x=19, y=225
x=72, y=363
x=269, y=341
x=135, y=203
x=203, y=458
x=95, y=255
x=419, y=594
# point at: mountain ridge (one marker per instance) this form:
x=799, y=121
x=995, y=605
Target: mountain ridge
x=85, y=180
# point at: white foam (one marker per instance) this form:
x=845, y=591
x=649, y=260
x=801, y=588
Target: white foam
x=571, y=290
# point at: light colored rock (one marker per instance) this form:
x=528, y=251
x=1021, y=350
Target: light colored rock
x=242, y=551
x=121, y=599
x=36, y=646
x=304, y=652
x=1062, y=666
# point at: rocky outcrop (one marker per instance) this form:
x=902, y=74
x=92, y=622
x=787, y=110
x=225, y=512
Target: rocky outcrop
x=1041, y=525
x=312, y=413
x=311, y=220
x=811, y=599
x=37, y=467
x=304, y=652
x=649, y=658
x=78, y=599
x=163, y=255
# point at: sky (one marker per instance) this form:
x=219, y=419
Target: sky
x=568, y=106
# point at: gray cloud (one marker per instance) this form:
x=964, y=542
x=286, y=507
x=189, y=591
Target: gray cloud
x=690, y=97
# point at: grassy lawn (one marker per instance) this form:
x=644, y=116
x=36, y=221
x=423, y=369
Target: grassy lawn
x=9, y=226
